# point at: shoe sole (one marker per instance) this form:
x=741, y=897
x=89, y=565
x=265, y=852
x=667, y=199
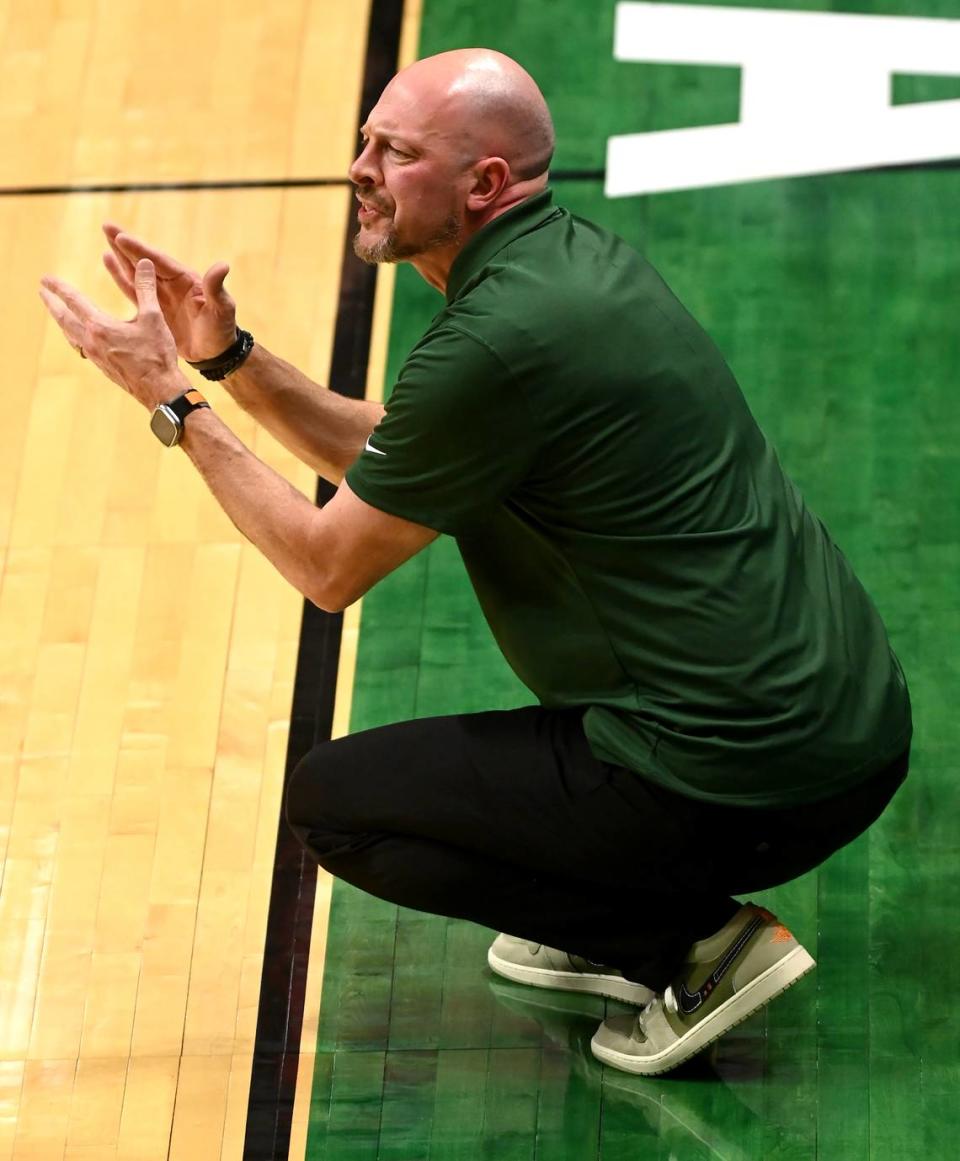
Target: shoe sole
x=594, y=985
x=770, y=984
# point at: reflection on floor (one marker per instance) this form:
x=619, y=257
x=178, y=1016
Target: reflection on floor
x=426, y=1055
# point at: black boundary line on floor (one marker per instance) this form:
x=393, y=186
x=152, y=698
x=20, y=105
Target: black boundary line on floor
x=290, y=917
x=556, y=175
x=40, y=191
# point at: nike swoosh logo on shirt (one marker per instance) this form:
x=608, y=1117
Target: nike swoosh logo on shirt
x=368, y=446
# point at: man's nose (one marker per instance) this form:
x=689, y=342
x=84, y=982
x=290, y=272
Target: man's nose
x=364, y=170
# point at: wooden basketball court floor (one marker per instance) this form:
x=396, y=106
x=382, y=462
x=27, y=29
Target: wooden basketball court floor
x=148, y=652
x=154, y=669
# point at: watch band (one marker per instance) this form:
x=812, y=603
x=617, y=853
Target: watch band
x=187, y=402
x=227, y=361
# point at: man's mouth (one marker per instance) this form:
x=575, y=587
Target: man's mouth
x=370, y=210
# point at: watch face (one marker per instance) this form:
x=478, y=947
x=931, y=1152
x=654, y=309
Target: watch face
x=165, y=426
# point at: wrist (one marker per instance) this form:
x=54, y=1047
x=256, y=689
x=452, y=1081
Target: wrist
x=246, y=385
x=163, y=389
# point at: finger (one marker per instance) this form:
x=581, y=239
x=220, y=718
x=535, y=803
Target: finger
x=67, y=322
x=145, y=284
x=213, y=281
x=133, y=250
x=82, y=307
x=111, y=231
x=119, y=275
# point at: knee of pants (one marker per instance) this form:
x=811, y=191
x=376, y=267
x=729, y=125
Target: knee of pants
x=320, y=793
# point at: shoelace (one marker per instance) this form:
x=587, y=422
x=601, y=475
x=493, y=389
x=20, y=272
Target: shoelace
x=669, y=1002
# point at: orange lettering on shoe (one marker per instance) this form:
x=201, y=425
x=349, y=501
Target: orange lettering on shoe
x=780, y=934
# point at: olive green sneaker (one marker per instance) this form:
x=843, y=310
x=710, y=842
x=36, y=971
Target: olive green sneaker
x=546, y=967
x=724, y=980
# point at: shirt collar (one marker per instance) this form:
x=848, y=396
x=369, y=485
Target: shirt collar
x=519, y=220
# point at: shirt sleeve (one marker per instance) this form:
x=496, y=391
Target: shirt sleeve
x=456, y=439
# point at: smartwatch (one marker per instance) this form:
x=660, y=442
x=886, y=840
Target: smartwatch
x=166, y=423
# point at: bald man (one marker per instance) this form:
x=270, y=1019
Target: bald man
x=719, y=707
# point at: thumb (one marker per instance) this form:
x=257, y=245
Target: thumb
x=213, y=282
x=145, y=285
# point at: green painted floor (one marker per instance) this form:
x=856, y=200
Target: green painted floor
x=835, y=301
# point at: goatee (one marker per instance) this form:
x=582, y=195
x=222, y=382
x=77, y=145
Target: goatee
x=389, y=248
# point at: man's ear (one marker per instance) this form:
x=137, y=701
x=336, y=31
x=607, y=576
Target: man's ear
x=490, y=177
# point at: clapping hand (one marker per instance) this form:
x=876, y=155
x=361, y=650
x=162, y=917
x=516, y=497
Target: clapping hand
x=201, y=315
x=140, y=355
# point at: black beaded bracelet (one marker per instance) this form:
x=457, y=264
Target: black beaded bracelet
x=227, y=361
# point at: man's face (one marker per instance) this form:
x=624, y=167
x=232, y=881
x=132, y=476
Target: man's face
x=409, y=179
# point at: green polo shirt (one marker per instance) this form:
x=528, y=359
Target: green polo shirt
x=634, y=543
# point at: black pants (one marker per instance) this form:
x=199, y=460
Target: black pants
x=507, y=819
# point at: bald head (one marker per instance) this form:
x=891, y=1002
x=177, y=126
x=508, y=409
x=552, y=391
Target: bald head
x=485, y=105
x=454, y=141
